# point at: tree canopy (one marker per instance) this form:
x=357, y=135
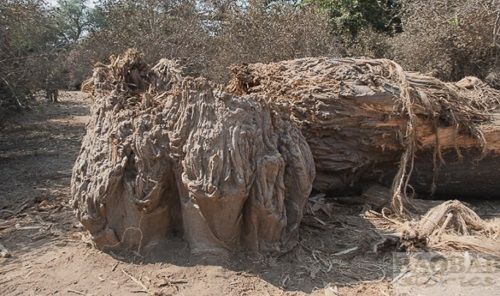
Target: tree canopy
x=450, y=38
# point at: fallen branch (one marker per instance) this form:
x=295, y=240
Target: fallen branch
x=76, y=292
x=138, y=282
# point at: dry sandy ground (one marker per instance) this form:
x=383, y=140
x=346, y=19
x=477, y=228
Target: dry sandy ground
x=51, y=256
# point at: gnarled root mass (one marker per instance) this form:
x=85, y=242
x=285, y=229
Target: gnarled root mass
x=167, y=153
x=448, y=226
x=231, y=167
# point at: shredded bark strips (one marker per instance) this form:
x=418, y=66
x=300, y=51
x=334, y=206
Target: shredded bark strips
x=339, y=102
x=448, y=226
x=167, y=153
x=232, y=167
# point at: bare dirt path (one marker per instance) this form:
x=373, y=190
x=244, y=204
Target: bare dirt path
x=50, y=255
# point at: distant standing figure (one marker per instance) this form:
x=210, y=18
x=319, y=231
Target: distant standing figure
x=51, y=90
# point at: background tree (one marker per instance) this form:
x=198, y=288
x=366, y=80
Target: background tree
x=350, y=17
x=74, y=19
x=451, y=39
x=28, y=36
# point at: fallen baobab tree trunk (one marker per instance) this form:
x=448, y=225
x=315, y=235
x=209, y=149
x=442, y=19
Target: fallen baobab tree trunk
x=369, y=121
x=232, y=167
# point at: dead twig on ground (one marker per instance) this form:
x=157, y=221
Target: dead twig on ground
x=138, y=282
x=76, y=292
x=23, y=207
x=114, y=266
x=7, y=224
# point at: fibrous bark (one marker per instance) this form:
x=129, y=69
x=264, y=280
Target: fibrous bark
x=355, y=115
x=232, y=167
x=166, y=153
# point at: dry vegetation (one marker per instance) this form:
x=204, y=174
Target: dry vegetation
x=255, y=125
x=451, y=39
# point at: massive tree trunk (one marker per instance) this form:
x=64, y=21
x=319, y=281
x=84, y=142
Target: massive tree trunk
x=231, y=168
x=355, y=115
x=224, y=170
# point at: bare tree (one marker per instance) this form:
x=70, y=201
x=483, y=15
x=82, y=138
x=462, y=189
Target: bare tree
x=451, y=39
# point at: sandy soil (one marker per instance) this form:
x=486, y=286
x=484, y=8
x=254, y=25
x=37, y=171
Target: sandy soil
x=50, y=253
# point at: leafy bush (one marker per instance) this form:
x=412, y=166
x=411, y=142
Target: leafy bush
x=350, y=17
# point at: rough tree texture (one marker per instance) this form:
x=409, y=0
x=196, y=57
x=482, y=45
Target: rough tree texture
x=232, y=167
x=165, y=153
x=354, y=115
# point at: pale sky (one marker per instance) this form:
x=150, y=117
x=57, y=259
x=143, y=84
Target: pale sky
x=53, y=2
